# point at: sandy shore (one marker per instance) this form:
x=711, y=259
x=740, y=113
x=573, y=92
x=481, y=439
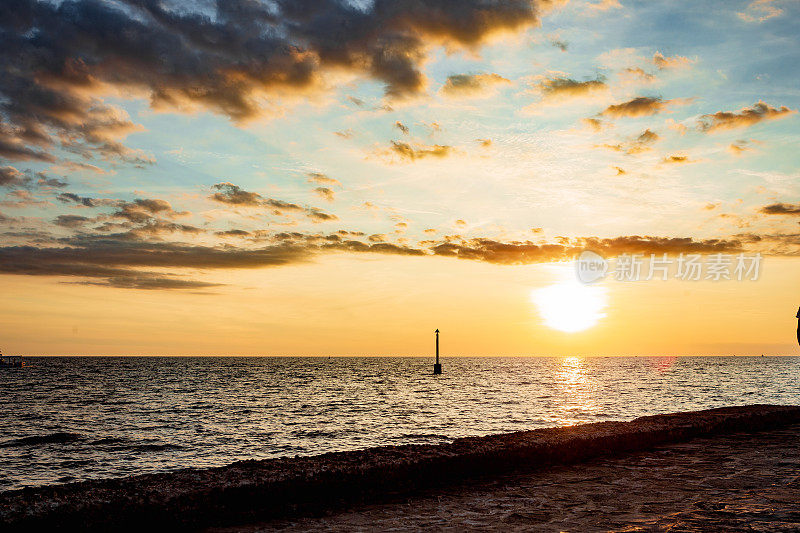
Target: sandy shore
x=613, y=481
x=741, y=482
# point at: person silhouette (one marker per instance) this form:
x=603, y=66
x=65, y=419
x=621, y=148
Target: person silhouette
x=798, y=325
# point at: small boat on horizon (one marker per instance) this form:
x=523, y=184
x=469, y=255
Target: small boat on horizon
x=11, y=361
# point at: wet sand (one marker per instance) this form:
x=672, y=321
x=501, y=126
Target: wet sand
x=719, y=469
x=741, y=482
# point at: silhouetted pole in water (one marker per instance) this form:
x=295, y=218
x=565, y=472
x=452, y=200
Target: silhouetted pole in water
x=798, y=327
x=437, y=368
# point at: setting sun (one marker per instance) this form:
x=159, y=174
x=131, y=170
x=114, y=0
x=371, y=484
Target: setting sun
x=570, y=306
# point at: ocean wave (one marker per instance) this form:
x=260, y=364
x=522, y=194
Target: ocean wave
x=50, y=438
x=107, y=440
x=154, y=447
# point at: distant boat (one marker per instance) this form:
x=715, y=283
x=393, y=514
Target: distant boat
x=11, y=361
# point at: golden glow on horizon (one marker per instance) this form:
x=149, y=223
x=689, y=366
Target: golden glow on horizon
x=570, y=306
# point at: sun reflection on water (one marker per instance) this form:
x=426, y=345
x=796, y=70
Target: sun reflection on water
x=577, y=388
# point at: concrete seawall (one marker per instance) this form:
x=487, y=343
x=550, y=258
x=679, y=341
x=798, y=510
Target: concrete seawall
x=261, y=490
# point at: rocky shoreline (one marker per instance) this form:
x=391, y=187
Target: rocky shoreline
x=252, y=491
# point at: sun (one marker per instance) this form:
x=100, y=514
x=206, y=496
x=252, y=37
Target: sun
x=570, y=306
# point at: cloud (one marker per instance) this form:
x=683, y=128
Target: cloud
x=677, y=159
x=638, y=74
x=781, y=209
x=402, y=127
x=560, y=44
x=760, y=10
x=234, y=195
x=594, y=124
x=236, y=58
x=663, y=62
x=472, y=85
x=71, y=221
x=640, y=106
x=142, y=210
x=408, y=152
x=747, y=116
x=318, y=177
x=13, y=145
x=604, y=5
x=233, y=233
x=11, y=177
x=741, y=146
x=562, y=87
x=526, y=252
x=639, y=144
x=119, y=261
x=325, y=193
x=71, y=197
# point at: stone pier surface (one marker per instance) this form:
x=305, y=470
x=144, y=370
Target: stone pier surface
x=288, y=489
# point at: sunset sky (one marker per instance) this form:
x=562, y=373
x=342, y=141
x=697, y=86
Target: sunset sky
x=299, y=177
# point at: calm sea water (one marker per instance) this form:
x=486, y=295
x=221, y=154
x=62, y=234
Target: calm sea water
x=73, y=418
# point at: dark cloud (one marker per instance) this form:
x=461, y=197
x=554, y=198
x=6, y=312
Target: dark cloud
x=402, y=127
x=234, y=195
x=120, y=261
x=150, y=282
x=747, y=116
x=781, y=209
x=14, y=148
x=526, y=252
x=71, y=197
x=71, y=221
x=562, y=87
x=233, y=233
x=58, y=59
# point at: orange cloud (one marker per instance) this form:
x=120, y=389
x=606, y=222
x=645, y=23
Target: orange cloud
x=747, y=116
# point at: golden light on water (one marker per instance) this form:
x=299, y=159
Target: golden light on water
x=570, y=306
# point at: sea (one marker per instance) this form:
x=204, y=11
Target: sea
x=66, y=419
